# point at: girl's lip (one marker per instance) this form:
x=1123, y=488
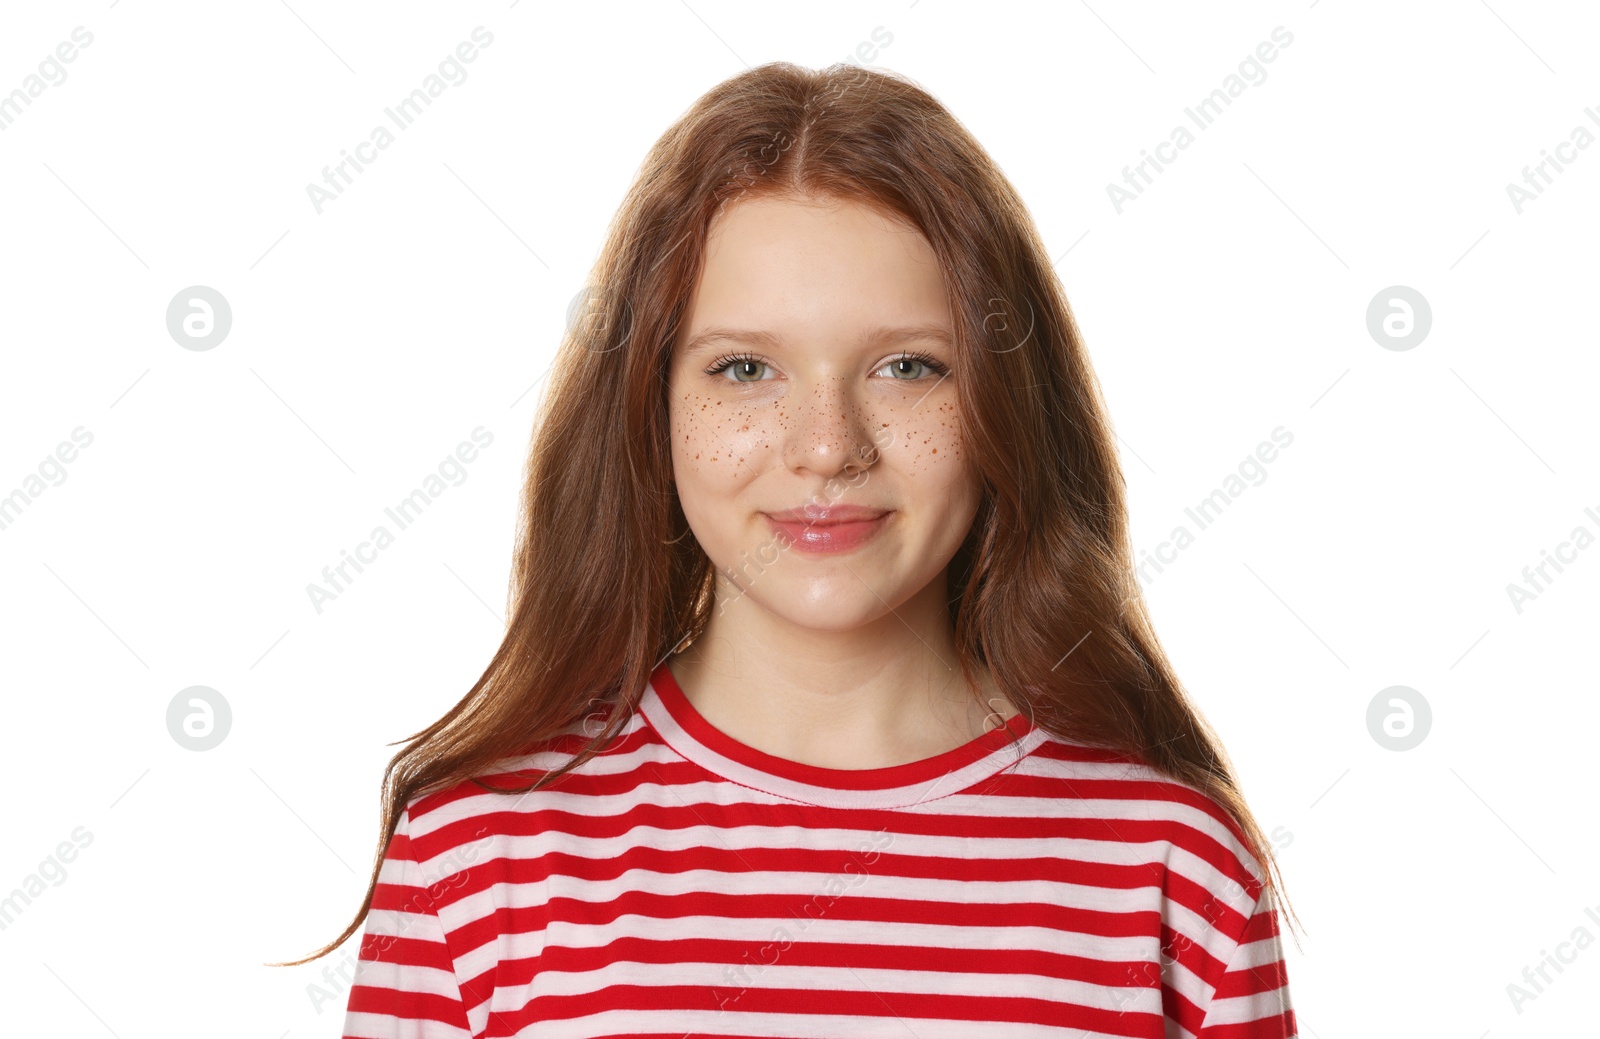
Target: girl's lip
x=828, y=537
x=827, y=515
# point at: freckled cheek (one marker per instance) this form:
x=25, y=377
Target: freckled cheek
x=749, y=435
x=719, y=438
x=935, y=450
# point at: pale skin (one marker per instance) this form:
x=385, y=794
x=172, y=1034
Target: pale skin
x=844, y=661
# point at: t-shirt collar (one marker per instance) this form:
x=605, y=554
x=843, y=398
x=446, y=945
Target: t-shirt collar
x=687, y=732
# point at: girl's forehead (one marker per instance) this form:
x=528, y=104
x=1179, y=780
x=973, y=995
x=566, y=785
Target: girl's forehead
x=774, y=208
x=791, y=255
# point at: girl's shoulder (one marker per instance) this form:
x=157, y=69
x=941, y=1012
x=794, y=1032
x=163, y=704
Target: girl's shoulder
x=1137, y=804
x=453, y=826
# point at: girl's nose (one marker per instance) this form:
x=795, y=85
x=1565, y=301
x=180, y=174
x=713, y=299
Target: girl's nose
x=831, y=433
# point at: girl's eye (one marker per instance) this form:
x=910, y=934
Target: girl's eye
x=740, y=364
x=899, y=364
x=904, y=368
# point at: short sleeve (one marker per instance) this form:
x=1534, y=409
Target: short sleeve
x=405, y=984
x=1251, y=1000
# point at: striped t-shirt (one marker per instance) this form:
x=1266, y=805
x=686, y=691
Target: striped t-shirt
x=682, y=883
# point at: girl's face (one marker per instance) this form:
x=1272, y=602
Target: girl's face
x=814, y=369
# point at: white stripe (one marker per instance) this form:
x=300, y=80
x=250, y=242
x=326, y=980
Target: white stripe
x=756, y=837
x=758, y=932
x=407, y=977
x=798, y=1026
x=776, y=882
x=730, y=983
x=1241, y=1009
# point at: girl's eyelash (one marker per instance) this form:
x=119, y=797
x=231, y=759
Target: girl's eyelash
x=722, y=364
x=727, y=361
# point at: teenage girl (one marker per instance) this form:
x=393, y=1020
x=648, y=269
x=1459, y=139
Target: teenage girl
x=829, y=704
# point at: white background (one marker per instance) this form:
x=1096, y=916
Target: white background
x=1230, y=298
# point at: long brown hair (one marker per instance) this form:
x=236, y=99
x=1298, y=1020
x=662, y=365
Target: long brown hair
x=606, y=582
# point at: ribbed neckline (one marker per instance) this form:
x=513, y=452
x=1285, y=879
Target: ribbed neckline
x=686, y=731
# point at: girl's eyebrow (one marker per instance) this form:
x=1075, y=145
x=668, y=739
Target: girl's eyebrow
x=884, y=336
